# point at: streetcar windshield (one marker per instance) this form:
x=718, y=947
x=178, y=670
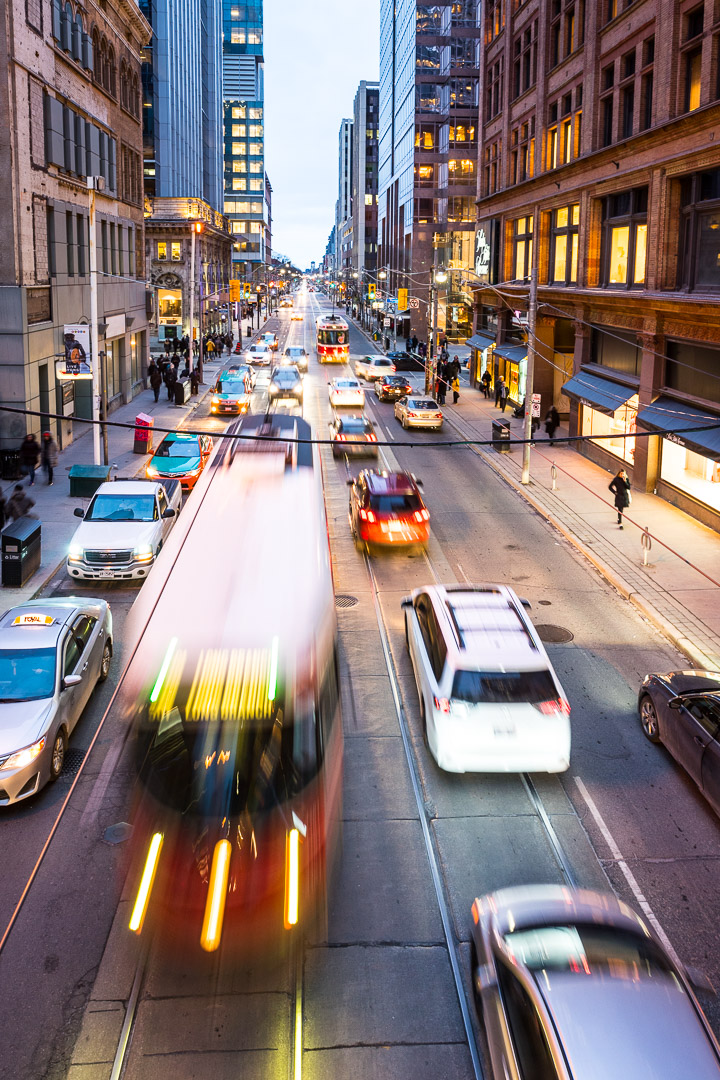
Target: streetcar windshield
x=332, y=337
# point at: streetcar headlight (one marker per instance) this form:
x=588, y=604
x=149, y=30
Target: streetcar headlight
x=26, y=756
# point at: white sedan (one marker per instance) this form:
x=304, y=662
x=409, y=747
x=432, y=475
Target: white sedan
x=344, y=392
x=259, y=354
x=374, y=367
x=419, y=412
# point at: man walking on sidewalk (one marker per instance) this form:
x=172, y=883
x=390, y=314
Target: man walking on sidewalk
x=155, y=381
x=499, y=383
x=504, y=394
x=19, y=504
x=29, y=455
x=49, y=456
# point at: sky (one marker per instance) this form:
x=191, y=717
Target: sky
x=316, y=53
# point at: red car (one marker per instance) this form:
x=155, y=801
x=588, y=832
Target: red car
x=386, y=508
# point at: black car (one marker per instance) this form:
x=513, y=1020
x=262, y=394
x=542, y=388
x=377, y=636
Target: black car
x=285, y=382
x=392, y=387
x=354, y=436
x=682, y=711
x=295, y=354
x=403, y=361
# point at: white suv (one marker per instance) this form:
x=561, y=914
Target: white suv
x=374, y=367
x=489, y=698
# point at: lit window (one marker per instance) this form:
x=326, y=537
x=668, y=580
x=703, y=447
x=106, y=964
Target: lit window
x=176, y=250
x=522, y=245
x=368, y=200
x=162, y=249
x=238, y=149
x=237, y=36
x=238, y=112
x=640, y=254
x=256, y=166
x=625, y=238
x=239, y=166
x=255, y=114
x=256, y=149
x=239, y=131
x=256, y=131
x=619, y=244
x=564, y=244
x=238, y=185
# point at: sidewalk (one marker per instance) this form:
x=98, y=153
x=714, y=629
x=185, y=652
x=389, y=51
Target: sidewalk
x=678, y=591
x=54, y=506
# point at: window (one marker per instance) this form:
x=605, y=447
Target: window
x=460, y=172
x=566, y=29
x=238, y=131
x=162, y=252
x=73, y=652
x=69, y=234
x=522, y=248
x=83, y=629
x=694, y=23
x=238, y=149
x=494, y=19
x=693, y=64
x=81, y=245
x=522, y=153
x=492, y=158
x=238, y=112
x=176, y=250
x=627, y=110
x=564, y=244
x=528, y=1037
x=606, y=120
x=700, y=237
x=494, y=89
x=625, y=238
x=524, y=60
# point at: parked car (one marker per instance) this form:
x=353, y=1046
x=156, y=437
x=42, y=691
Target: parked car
x=123, y=529
x=571, y=984
x=404, y=361
x=52, y=654
x=682, y=711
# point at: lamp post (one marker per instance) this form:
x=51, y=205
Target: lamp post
x=195, y=230
x=439, y=277
x=95, y=183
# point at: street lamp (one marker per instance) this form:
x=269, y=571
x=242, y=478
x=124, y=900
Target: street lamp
x=439, y=277
x=95, y=183
x=195, y=229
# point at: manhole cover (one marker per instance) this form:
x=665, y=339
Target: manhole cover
x=342, y=601
x=553, y=635
x=72, y=763
x=545, y=603
x=118, y=833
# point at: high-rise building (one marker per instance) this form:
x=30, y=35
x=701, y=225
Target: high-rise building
x=183, y=147
x=428, y=140
x=601, y=171
x=70, y=109
x=365, y=178
x=343, y=205
x=246, y=203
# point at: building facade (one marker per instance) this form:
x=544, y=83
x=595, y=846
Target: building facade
x=365, y=179
x=344, y=202
x=70, y=107
x=428, y=140
x=601, y=169
x=246, y=203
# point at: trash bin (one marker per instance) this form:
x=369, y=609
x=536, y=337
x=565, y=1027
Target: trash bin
x=10, y=464
x=182, y=391
x=86, y=479
x=501, y=436
x=20, y=551
x=142, y=443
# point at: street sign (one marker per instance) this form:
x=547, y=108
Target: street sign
x=535, y=405
x=414, y=302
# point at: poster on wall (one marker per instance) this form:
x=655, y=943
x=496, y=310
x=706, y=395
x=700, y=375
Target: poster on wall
x=76, y=364
x=487, y=251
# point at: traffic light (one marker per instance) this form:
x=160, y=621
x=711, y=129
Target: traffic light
x=371, y=291
x=402, y=299
x=234, y=291
x=246, y=289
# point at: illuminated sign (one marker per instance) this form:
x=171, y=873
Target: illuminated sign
x=77, y=362
x=33, y=620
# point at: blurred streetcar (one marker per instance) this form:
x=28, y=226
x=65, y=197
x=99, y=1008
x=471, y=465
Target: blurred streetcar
x=234, y=698
x=332, y=342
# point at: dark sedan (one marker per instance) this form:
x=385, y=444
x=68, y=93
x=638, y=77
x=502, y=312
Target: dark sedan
x=404, y=361
x=682, y=711
x=392, y=387
x=354, y=436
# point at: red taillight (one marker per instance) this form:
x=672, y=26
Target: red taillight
x=367, y=515
x=413, y=414
x=341, y=438
x=421, y=515
x=442, y=704
x=549, y=708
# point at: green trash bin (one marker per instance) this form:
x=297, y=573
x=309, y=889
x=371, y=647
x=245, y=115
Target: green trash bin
x=86, y=479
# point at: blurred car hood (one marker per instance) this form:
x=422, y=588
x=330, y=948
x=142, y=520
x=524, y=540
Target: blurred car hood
x=22, y=723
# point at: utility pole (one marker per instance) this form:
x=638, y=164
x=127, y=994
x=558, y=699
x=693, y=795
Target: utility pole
x=192, y=294
x=432, y=318
x=94, y=186
x=102, y=356
x=529, y=380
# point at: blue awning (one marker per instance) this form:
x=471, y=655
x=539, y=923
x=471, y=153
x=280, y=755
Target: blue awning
x=514, y=353
x=602, y=394
x=668, y=416
x=480, y=341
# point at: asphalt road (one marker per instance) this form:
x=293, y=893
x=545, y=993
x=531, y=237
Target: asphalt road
x=378, y=998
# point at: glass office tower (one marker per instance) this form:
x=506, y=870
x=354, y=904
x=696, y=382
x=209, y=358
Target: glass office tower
x=244, y=132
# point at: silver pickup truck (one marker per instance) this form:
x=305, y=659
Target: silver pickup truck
x=123, y=529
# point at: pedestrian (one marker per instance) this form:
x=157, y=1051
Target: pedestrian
x=455, y=385
x=29, y=456
x=209, y=346
x=19, y=504
x=620, y=487
x=439, y=390
x=407, y=343
x=486, y=380
x=442, y=384
x=156, y=381
x=504, y=394
x=49, y=456
x=499, y=383
x=552, y=422
x=168, y=343
x=170, y=380
x=413, y=343
x=194, y=381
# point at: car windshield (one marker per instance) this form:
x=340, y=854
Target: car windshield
x=508, y=687
x=352, y=424
x=588, y=950
x=178, y=448
x=122, y=508
x=395, y=380
x=295, y=352
x=400, y=503
x=26, y=674
x=383, y=363
x=230, y=386
x=332, y=337
x=422, y=403
x=346, y=384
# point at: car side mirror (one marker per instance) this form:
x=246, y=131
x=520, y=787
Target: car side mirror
x=71, y=680
x=525, y=602
x=78, y=512
x=699, y=981
x=675, y=703
x=169, y=513
x=350, y=483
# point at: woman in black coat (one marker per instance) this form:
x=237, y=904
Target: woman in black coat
x=620, y=487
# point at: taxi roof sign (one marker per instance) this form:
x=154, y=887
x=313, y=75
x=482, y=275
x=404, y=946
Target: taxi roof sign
x=32, y=618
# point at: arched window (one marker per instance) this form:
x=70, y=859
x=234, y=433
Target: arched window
x=135, y=96
x=123, y=84
x=77, y=38
x=67, y=25
x=110, y=84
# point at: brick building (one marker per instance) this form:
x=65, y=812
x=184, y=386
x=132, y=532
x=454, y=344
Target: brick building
x=70, y=107
x=600, y=165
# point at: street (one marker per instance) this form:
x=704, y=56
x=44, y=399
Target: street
x=388, y=993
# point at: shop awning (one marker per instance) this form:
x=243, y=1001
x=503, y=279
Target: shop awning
x=480, y=341
x=602, y=394
x=666, y=416
x=514, y=353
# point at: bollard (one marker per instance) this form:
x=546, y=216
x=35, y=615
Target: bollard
x=553, y=473
x=646, y=541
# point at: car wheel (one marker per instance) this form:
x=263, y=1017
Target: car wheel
x=649, y=720
x=57, y=758
x=404, y=424
x=474, y=964
x=105, y=662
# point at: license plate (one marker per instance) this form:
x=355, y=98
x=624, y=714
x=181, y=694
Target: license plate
x=107, y=573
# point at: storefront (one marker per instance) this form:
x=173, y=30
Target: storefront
x=609, y=413
x=481, y=356
x=169, y=314
x=511, y=363
x=689, y=460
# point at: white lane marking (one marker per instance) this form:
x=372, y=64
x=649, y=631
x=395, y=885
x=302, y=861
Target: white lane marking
x=94, y=803
x=626, y=871
x=390, y=434
x=462, y=573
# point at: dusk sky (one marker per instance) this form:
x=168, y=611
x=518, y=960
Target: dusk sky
x=316, y=53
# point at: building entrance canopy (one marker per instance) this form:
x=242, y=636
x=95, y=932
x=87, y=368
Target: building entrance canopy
x=602, y=394
x=516, y=354
x=480, y=341
x=667, y=415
